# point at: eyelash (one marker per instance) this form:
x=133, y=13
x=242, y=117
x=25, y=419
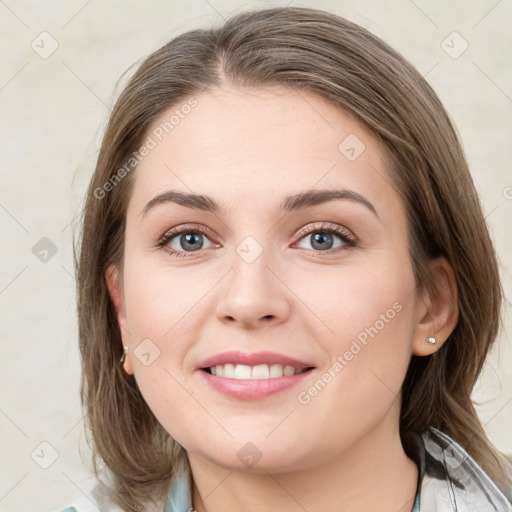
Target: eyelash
x=320, y=227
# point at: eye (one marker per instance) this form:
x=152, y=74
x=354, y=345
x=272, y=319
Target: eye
x=184, y=241
x=188, y=239
x=322, y=237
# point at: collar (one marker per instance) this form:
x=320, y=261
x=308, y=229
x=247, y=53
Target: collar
x=449, y=480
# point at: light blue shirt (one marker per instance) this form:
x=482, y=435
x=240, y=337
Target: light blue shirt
x=449, y=480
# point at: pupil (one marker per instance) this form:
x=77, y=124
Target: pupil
x=321, y=238
x=189, y=240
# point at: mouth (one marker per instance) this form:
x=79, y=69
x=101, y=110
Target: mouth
x=253, y=376
x=258, y=372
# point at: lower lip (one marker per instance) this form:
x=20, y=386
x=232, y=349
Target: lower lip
x=252, y=389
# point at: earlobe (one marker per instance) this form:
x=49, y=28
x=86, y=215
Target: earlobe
x=438, y=312
x=126, y=361
x=116, y=294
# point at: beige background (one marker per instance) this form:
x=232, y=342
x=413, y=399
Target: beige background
x=54, y=110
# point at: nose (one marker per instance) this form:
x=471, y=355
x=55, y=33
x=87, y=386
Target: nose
x=253, y=295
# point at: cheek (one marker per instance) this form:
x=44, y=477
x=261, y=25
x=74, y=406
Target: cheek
x=165, y=309
x=360, y=387
x=365, y=321
x=357, y=301
x=161, y=301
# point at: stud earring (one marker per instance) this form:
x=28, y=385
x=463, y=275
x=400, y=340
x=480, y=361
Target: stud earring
x=431, y=340
x=125, y=351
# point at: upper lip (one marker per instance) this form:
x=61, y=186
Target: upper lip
x=254, y=359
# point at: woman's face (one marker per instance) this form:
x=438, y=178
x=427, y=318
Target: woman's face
x=267, y=282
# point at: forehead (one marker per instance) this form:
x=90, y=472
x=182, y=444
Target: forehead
x=258, y=142
x=246, y=120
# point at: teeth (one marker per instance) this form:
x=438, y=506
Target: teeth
x=288, y=370
x=276, y=370
x=241, y=372
x=262, y=371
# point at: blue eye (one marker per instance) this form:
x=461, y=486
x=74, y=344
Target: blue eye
x=187, y=240
x=322, y=240
x=322, y=237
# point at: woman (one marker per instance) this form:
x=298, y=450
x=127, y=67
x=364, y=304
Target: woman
x=283, y=246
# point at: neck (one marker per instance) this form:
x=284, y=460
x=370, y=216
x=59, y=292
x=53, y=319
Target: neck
x=373, y=474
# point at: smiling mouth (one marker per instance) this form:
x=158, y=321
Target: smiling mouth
x=258, y=372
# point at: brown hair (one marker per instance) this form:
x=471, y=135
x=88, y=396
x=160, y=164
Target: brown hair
x=322, y=53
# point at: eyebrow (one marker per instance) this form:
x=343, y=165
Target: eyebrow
x=299, y=201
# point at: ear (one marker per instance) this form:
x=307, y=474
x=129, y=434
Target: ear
x=116, y=294
x=438, y=310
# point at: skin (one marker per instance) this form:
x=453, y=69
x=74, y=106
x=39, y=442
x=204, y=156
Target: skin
x=248, y=149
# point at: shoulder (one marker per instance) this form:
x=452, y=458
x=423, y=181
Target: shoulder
x=84, y=505
x=79, y=505
x=452, y=476
x=93, y=496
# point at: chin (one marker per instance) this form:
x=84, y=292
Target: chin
x=257, y=457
